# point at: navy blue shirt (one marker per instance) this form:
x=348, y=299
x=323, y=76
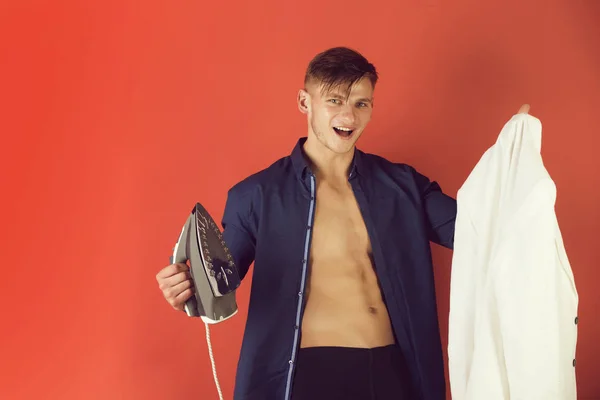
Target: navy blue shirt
x=268, y=220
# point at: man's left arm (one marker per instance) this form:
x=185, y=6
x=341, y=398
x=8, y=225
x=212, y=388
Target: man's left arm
x=440, y=211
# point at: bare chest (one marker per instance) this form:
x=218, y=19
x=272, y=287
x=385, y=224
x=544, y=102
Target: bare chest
x=339, y=231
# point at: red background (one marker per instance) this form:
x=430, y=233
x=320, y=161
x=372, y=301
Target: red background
x=117, y=116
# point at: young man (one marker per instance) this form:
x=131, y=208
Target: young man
x=343, y=302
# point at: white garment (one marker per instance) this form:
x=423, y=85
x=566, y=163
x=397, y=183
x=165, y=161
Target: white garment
x=513, y=300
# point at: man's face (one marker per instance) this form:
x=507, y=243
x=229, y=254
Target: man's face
x=337, y=118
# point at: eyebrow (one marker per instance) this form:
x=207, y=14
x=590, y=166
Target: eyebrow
x=339, y=96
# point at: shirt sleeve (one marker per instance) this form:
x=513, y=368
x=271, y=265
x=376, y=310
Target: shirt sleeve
x=238, y=232
x=440, y=211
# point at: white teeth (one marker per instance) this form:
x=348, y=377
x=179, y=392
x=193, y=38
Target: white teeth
x=343, y=129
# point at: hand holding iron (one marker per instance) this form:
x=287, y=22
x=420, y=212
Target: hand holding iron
x=176, y=285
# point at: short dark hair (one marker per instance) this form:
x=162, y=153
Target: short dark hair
x=339, y=66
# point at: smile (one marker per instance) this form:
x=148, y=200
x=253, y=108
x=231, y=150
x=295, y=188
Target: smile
x=342, y=131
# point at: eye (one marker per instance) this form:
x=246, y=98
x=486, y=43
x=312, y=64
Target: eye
x=361, y=104
x=334, y=101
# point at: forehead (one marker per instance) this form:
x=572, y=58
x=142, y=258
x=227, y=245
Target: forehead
x=362, y=88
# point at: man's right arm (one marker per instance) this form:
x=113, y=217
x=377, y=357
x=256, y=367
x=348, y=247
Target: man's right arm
x=239, y=229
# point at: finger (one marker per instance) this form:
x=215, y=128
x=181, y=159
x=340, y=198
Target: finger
x=174, y=280
x=524, y=109
x=171, y=270
x=181, y=298
x=171, y=293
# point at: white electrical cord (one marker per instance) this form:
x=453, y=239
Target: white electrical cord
x=212, y=360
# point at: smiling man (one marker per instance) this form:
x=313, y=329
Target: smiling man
x=343, y=301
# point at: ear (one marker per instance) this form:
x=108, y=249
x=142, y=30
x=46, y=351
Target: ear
x=303, y=101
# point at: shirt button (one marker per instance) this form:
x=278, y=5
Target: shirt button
x=290, y=362
x=296, y=327
x=574, y=362
x=576, y=320
x=299, y=293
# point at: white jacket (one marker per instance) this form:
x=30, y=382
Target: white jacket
x=513, y=300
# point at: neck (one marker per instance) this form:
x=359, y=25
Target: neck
x=325, y=163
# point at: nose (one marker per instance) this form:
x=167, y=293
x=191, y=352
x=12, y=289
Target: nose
x=348, y=114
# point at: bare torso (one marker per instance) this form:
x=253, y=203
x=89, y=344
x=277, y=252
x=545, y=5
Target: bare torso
x=344, y=302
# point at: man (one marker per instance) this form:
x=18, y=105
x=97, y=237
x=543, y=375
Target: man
x=343, y=302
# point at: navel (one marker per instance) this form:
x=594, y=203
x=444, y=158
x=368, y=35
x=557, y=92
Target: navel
x=372, y=310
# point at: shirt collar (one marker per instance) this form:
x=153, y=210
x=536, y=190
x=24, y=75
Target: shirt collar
x=301, y=166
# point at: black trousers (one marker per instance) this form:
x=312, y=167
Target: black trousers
x=329, y=373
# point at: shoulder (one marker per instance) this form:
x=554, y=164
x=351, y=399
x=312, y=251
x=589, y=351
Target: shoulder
x=397, y=171
x=273, y=175
x=245, y=197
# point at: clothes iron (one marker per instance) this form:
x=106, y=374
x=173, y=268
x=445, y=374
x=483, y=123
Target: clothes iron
x=212, y=268
x=213, y=273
